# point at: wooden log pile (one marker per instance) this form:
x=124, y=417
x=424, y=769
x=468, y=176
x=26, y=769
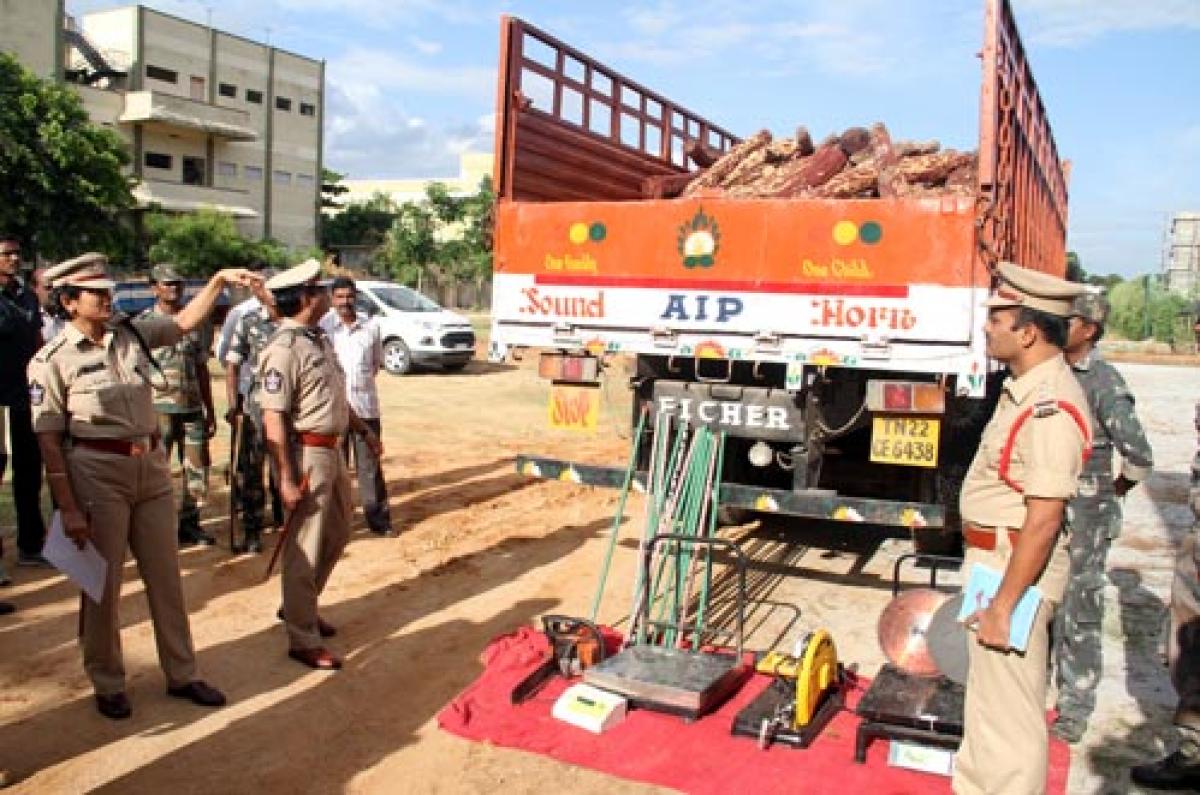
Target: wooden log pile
x=859, y=163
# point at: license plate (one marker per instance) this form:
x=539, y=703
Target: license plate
x=908, y=441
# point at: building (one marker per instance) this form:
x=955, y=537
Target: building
x=213, y=120
x=29, y=30
x=1181, y=254
x=472, y=168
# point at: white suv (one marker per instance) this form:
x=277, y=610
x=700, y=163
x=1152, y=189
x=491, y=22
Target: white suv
x=416, y=331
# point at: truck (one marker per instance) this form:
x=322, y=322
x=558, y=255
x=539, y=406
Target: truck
x=837, y=343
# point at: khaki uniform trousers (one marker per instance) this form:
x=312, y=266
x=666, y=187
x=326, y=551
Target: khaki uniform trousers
x=1183, y=646
x=128, y=502
x=1006, y=743
x=317, y=543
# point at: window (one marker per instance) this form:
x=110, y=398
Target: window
x=283, y=103
x=157, y=160
x=227, y=90
x=252, y=173
x=282, y=177
x=193, y=170
x=305, y=179
x=253, y=96
x=308, y=109
x=226, y=169
x=165, y=75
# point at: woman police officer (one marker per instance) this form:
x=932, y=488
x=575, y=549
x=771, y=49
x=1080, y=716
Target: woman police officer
x=91, y=394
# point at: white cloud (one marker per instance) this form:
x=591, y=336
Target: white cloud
x=425, y=46
x=1071, y=23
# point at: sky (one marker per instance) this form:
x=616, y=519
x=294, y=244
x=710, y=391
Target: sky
x=411, y=83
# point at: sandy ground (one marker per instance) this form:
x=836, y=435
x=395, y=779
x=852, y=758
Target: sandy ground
x=483, y=551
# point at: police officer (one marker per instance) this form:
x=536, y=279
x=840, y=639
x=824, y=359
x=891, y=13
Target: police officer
x=1013, y=504
x=92, y=397
x=305, y=416
x=1094, y=515
x=186, y=418
x=1181, y=769
x=250, y=336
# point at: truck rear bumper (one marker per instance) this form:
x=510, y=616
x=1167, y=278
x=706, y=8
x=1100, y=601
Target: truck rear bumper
x=814, y=503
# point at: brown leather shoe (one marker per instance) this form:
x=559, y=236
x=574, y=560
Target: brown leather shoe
x=320, y=658
x=326, y=629
x=200, y=693
x=114, y=706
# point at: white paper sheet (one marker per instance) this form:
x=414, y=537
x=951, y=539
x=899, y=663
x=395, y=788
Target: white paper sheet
x=85, y=567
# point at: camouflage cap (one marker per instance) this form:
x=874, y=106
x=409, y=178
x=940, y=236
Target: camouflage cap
x=164, y=272
x=1091, y=306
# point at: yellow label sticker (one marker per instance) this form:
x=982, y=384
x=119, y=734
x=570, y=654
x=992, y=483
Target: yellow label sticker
x=908, y=441
x=574, y=407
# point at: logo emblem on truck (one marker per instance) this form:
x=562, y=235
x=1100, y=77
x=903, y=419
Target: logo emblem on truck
x=699, y=240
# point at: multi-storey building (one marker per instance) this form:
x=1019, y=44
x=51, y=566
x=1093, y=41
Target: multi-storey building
x=212, y=119
x=30, y=30
x=1181, y=254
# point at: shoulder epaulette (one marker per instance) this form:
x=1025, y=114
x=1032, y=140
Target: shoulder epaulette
x=50, y=348
x=1047, y=407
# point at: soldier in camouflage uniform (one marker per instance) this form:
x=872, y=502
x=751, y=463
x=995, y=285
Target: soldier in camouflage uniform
x=1094, y=515
x=251, y=334
x=183, y=401
x=1181, y=769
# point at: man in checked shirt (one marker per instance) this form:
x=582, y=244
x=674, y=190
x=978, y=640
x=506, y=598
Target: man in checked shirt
x=359, y=348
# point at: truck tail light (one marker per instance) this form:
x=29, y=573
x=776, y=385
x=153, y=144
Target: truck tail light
x=906, y=397
x=569, y=367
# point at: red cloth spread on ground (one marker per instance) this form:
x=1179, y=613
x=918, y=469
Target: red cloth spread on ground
x=699, y=757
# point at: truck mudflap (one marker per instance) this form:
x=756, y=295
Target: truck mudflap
x=813, y=504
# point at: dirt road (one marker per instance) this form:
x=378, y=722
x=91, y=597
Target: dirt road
x=483, y=551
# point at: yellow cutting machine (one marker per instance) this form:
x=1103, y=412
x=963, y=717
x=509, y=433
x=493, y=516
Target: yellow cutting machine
x=805, y=695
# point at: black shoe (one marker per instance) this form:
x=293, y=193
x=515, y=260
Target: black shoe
x=191, y=537
x=254, y=543
x=114, y=706
x=1176, y=772
x=6, y=608
x=384, y=532
x=200, y=693
x=33, y=561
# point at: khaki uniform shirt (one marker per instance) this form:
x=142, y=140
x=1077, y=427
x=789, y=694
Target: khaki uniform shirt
x=1047, y=454
x=99, y=391
x=298, y=375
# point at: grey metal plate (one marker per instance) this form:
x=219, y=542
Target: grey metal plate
x=948, y=640
x=682, y=680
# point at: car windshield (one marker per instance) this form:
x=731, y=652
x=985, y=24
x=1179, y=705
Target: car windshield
x=404, y=299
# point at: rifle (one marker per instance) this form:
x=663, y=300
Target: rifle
x=233, y=476
x=289, y=526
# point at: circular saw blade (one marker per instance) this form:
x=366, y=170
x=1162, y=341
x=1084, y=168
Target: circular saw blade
x=949, y=641
x=903, y=626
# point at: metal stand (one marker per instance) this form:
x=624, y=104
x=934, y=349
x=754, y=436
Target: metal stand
x=684, y=682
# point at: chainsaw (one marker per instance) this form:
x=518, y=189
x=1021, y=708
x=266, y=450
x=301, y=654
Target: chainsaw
x=575, y=644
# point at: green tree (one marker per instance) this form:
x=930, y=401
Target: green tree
x=1142, y=309
x=331, y=188
x=1075, y=271
x=60, y=176
x=360, y=223
x=203, y=242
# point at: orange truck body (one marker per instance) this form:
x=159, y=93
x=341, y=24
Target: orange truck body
x=890, y=288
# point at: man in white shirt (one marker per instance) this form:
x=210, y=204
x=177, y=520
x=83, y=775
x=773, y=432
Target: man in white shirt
x=51, y=325
x=359, y=347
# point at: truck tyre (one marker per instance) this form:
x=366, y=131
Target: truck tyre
x=397, y=359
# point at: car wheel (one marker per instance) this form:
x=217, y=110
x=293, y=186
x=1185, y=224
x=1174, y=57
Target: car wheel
x=396, y=357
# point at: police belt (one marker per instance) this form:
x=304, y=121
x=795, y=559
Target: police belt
x=307, y=439
x=123, y=447
x=985, y=537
